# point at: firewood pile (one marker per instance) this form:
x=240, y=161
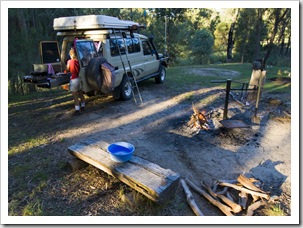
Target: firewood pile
x=232, y=197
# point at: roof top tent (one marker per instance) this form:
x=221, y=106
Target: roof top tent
x=93, y=22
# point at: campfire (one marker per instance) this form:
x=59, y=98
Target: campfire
x=232, y=197
x=198, y=119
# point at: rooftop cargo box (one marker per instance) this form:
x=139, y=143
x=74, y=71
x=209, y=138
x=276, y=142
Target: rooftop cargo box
x=91, y=22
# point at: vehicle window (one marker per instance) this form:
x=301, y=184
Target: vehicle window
x=86, y=51
x=114, y=48
x=146, y=48
x=50, y=52
x=133, y=45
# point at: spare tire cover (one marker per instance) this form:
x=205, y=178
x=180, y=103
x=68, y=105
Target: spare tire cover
x=93, y=73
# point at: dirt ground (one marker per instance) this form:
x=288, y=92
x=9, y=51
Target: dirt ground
x=158, y=130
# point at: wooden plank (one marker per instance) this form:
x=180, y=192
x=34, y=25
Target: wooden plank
x=153, y=181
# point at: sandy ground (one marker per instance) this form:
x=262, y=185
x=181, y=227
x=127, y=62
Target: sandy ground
x=158, y=130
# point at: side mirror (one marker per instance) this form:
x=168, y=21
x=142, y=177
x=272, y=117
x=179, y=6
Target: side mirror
x=153, y=52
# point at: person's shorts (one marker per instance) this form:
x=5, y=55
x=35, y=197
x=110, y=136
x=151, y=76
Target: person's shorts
x=75, y=85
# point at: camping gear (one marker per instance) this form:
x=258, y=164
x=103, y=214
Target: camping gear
x=257, y=119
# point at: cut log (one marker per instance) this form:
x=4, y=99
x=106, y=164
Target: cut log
x=254, y=206
x=262, y=195
x=236, y=208
x=153, y=181
x=251, y=208
x=74, y=164
x=190, y=199
x=255, y=198
x=215, y=187
x=223, y=191
x=248, y=184
x=227, y=181
x=225, y=209
x=243, y=199
x=229, y=196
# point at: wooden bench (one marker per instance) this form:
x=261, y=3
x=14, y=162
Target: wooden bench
x=153, y=181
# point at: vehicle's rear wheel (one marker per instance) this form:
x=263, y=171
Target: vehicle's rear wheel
x=126, y=89
x=162, y=75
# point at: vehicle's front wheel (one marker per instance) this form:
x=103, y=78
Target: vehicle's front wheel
x=126, y=89
x=162, y=75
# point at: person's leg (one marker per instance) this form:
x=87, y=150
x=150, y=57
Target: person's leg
x=76, y=101
x=82, y=99
x=74, y=88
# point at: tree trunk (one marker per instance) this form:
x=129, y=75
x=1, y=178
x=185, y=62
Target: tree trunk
x=278, y=19
x=243, y=49
x=230, y=43
x=258, y=36
x=282, y=46
x=22, y=24
x=288, y=46
x=231, y=39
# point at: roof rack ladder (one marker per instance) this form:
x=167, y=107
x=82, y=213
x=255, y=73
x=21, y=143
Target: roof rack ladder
x=135, y=88
x=120, y=53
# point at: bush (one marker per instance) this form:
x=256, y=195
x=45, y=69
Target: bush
x=218, y=57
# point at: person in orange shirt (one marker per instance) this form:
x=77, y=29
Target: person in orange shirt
x=74, y=84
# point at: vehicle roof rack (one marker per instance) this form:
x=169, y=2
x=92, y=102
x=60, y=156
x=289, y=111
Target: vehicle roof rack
x=93, y=22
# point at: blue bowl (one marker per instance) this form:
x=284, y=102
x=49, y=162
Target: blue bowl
x=121, y=151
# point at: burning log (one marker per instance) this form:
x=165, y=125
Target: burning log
x=190, y=199
x=198, y=119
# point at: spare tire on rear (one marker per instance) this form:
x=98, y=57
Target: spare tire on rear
x=93, y=72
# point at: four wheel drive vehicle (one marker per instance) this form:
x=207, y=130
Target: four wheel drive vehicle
x=99, y=40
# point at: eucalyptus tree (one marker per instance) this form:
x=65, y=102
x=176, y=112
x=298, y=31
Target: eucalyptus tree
x=278, y=17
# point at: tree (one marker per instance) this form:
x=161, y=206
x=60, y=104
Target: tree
x=231, y=40
x=201, y=46
x=278, y=15
x=250, y=32
x=221, y=35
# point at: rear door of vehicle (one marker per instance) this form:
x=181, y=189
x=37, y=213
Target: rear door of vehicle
x=151, y=64
x=50, y=54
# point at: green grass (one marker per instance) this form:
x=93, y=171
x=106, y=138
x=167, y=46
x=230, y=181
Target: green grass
x=273, y=210
x=180, y=77
x=34, y=208
x=40, y=93
x=29, y=144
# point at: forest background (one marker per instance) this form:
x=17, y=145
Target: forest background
x=191, y=36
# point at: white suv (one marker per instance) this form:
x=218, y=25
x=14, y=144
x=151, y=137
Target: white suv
x=98, y=39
